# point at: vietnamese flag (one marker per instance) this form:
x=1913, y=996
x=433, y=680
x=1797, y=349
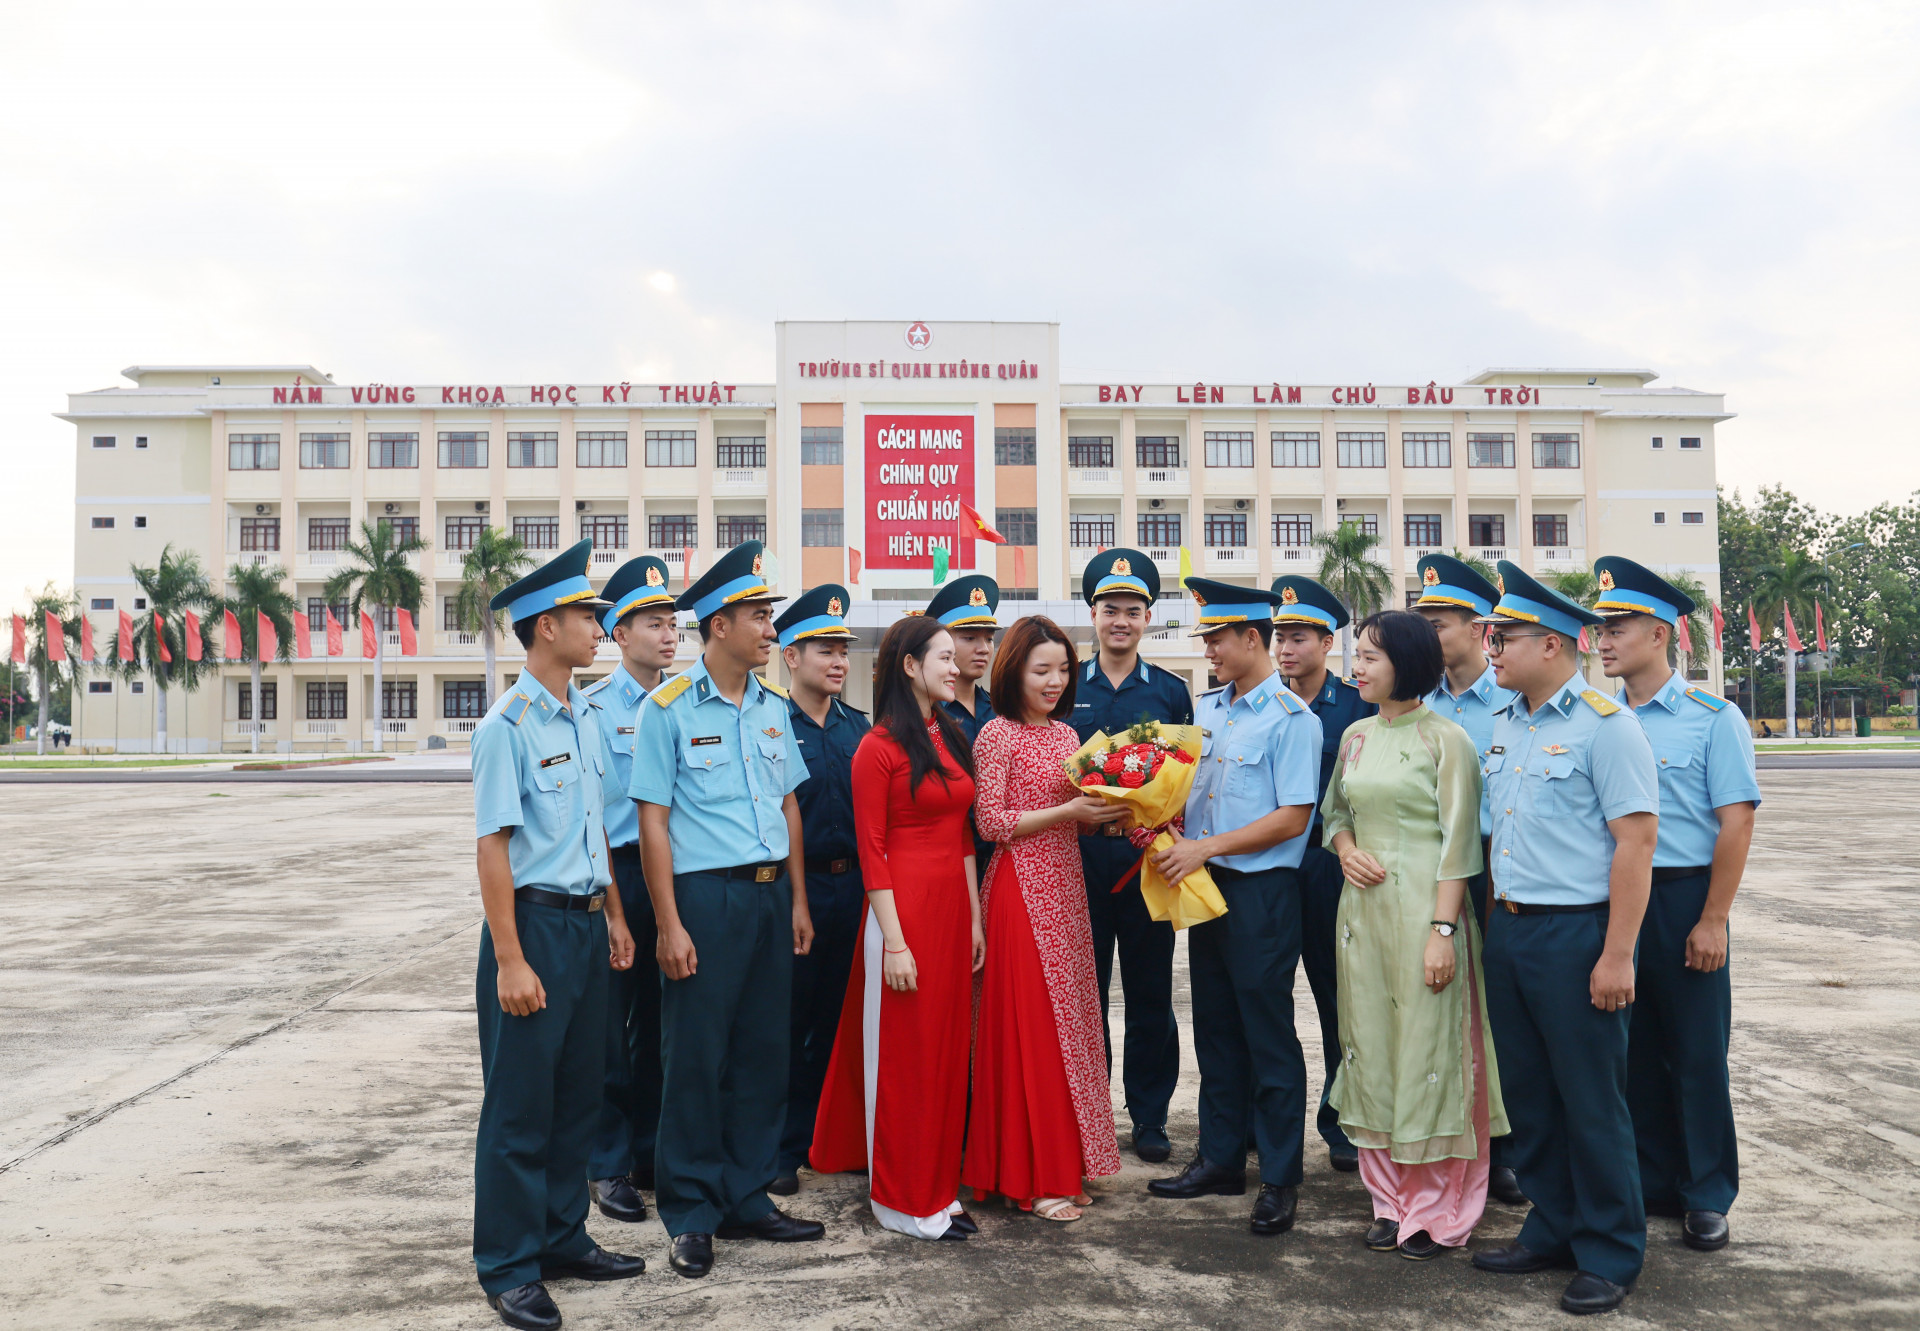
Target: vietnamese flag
x=853, y=566
x=160, y=636
x=334, y=635
x=369, y=636
x=196, y=649
x=302, y=637
x=56, y=638
x=1019, y=565
x=1819, y=628
x=1686, y=636
x=1753, y=628
x=1793, y=634
x=686, y=566
x=19, y=653
x=267, y=642
x=980, y=528
x=126, y=636
x=230, y=626
x=409, y=643
x=1719, y=629
x=1583, y=639
x=86, y=640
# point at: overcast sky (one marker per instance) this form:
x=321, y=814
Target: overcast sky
x=396, y=191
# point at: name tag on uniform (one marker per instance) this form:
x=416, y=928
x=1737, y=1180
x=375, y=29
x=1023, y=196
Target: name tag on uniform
x=556, y=760
x=698, y=740
x=1497, y=748
x=623, y=730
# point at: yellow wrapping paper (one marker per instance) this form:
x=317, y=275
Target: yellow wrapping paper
x=1154, y=803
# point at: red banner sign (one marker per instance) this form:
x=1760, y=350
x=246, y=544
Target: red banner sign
x=919, y=472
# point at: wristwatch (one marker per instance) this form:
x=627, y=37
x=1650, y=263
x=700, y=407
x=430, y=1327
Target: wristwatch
x=1442, y=928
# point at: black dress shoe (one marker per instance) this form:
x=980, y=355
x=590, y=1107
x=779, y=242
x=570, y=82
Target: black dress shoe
x=952, y=1234
x=526, y=1306
x=1383, y=1235
x=963, y=1222
x=776, y=1226
x=1421, y=1246
x=785, y=1185
x=1513, y=1260
x=1273, y=1209
x=1589, y=1293
x=617, y=1199
x=1201, y=1179
x=1503, y=1185
x=1345, y=1159
x=1151, y=1144
x=1705, y=1230
x=596, y=1265
x=691, y=1255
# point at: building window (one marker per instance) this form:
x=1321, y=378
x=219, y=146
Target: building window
x=317, y=613
x=465, y=449
x=463, y=532
x=1021, y=526
x=463, y=699
x=139, y=441
x=1426, y=448
x=1486, y=529
x=139, y=520
x=101, y=603
x=1693, y=519
x=327, y=533
x=822, y=526
x=537, y=533
x=1090, y=530
x=399, y=699
x=401, y=530
x=730, y=529
x=253, y=452
x=1296, y=448
x=139, y=603
x=1090, y=451
x=1160, y=531
x=269, y=701
x=450, y=615
x=1368, y=523
x=1226, y=530
x=400, y=449
x=137, y=686
x=323, y=452
x=672, y=531
x=1156, y=451
x=670, y=448
x=1361, y=448
x=606, y=531
x=1659, y=517
x=1658, y=442
x=1489, y=450
x=1556, y=450
x=99, y=686
x=326, y=700
x=1013, y=447
x=106, y=441
x=1549, y=529
x=600, y=448
x=740, y=453
x=259, y=533
x=1423, y=530
x=1293, y=529
x=533, y=448
x=1687, y=441
x=820, y=445
x=1229, y=448
x=101, y=524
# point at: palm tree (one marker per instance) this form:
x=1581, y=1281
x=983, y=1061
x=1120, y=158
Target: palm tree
x=1349, y=570
x=1791, y=581
x=497, y=561
x=49, y=674
x=253, y=591
x=1689, y=586
x=378, y=577
x=174, y=585
x=1477, y=564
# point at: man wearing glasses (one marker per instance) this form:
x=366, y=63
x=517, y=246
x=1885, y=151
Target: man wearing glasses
x=1575, y=798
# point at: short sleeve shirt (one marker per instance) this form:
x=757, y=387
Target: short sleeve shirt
x=1703, y=748
x=537, y=768
x=1473, y=710
x=616, y=703
x=1259, y=753
x=1148, y=693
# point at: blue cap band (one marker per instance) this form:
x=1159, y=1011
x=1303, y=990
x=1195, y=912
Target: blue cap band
x=1443, y=594
x=806, y=628
x=1538, y=612
x=1220, y=613
x=551, y=596
x=969, y=616
x=727, y=593
x=1639, y=603
x=1285, y=614
x=1121, y=582
x=632, y=603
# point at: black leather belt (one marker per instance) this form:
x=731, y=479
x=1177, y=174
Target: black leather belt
x=1672, y=872
x=630, y=851
x=1530, y=908
x=1104, y=829
x=755, y=873
x=822, y=864
x=540, y=896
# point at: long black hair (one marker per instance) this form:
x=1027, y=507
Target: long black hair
x=897, y=711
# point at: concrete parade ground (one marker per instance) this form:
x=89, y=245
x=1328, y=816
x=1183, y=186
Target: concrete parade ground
x=239, y=1081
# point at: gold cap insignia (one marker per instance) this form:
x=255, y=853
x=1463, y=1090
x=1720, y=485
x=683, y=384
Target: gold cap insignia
x=654, y=579
x=757, y=561
x=1500, y=581
x=913, y=612
x=1431, y=577
x=1606, y=580
x=1121, y=568
x=978, y=596
x=1288, y=596
x=834, y=607
x=1198, y=599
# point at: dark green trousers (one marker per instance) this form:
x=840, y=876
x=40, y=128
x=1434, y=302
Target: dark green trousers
x=542, y=1077
x=1677, y=1061
x=837, y=902
x=1150, y=1051
x=630, y=1107
x=1321, y=882
x=724, y=1039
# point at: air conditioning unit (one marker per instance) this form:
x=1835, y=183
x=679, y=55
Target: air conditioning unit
x=479, y=505
x=1240, y=505
x=259, y=508
x=1156, y=503
x=582, y=506
x=1339, y=503
x=392, y=508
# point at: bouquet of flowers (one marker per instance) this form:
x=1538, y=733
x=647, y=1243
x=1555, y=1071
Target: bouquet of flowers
x=1150, y=768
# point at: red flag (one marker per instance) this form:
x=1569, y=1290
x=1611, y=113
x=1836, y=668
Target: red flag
x=126, y=636
x=1583, y=639
x=1819, y=628
x=86, y=640
x=302, y=637
x=334, y=644
x=1719, y=629
x=686, y=566
x=1753, y=628
x=235, y=649
x=56, y=638
x=980, y=528
x=1686, y=636
x=19, y=654
x=369, y=636
x=267, y=642
x=409, y=644
x=853, y=566
x=160, y=636
x=196, y=650
x=1793, y=634
x=1019, y=565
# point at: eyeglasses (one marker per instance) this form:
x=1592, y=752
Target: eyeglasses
x=1497, y=642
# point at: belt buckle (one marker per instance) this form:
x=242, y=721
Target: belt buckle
x=765, y=873
x=840, y=866
x=595, y=903
x=1511, y=908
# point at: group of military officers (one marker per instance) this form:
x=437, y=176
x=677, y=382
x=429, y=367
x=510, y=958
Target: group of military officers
x=708, y=818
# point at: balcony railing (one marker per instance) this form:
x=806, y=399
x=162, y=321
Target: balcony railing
x=459, y=725
x=318, y=729
x=1226, y=557
x=320, y=558
x=610, y=556
x=1169, y=477
x=1491, y=553
x=1165, y=557
x=242, y=729
x=1091, y=476
x=1289, y=554
x=393, y=727
x=461, y=639
x=672, y=558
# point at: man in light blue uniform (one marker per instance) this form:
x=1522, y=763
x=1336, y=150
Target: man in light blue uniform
x=1575, y=815
x=1246, y=821
x=714, y=769
x=641, y=619
x=551, y=930
x=1677, y=1083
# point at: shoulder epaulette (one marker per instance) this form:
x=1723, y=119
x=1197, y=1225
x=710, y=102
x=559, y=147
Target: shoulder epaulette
x=1208, y=693
x=1599, y=701
x=672, y=689
x=1292, y=704
x=597, y=686
x=513, y=714
x=1712, y=702
x=850, y=707
x=771, y=687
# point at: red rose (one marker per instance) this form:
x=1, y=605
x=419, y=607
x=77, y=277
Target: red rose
x=1114, y=765
x=1133, y=780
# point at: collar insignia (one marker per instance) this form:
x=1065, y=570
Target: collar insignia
x=1288, y=596
x=1431, y=577
x=1121, y=568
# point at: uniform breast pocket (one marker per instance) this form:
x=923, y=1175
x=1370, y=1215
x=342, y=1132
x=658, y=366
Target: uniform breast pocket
x=559, y=787
x=1498, y=777
x=1674, y=765
x=773, y=756
x=711, y=771
x=1561, y=783
x=1247, y=772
